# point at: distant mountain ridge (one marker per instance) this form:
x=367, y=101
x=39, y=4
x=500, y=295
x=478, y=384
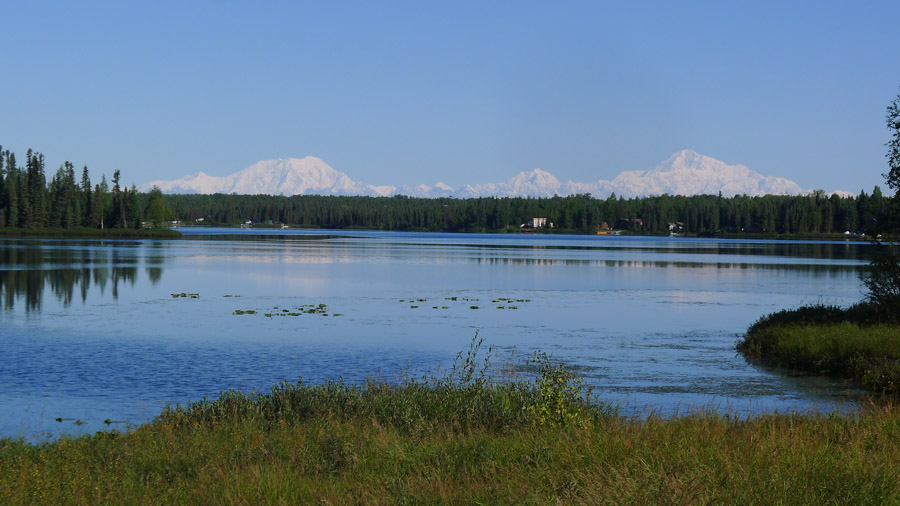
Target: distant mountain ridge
x=684, y=173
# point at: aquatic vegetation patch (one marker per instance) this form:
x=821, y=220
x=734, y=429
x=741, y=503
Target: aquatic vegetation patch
x=184, y=295
x=295, y=311
x=504, y=302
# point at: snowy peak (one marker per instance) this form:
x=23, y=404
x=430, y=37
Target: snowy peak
x=282, y=176
x=536, y=183
x=292, y=176
x=687, y=163
x=684, y=173
x=690, y=173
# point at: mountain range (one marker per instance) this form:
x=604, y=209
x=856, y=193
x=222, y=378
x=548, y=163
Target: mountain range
x=684, y=173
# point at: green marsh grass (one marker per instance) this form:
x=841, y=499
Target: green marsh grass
x=869, y=354
x=859, y=343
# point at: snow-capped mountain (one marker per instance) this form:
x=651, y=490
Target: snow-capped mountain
x=690, y=173
x=536, y=183
x=439, y=189
x=684, y=173
x=282, y=176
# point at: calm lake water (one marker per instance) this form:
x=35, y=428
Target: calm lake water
x=90, y=330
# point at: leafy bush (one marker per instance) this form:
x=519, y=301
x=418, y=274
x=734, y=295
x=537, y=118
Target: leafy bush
x=561, y=396
x=882, y=278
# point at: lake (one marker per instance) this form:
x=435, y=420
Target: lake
x=96, y=330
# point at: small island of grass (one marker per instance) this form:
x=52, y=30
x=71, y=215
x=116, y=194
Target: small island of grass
x=860, y=343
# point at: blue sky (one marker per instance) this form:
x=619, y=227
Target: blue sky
x=464, y=92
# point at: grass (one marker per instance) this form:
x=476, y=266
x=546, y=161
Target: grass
x=860, y=343
x=460, y=439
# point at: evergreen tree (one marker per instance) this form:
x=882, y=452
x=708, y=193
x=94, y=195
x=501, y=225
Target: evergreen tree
x=70, y=206
x=89, y=217
x=95, y=213
x=104, y=202
x=892, y=176
x=157, y=212
x=2, y=191
x=132, y=208
x=12, y=187
x=119, y=218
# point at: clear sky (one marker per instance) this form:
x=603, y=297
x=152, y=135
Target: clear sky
x=465, y=92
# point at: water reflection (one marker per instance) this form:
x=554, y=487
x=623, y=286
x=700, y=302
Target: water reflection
x=649, y=321
x=822, y=269
x=29, y=269
x=66, y=269
x=824, y=250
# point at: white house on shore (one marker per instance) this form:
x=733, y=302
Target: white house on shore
x=536, y=223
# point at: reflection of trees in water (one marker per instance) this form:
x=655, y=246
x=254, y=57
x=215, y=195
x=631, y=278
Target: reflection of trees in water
x=839, y=270
x=834, y=250
x=26, y=273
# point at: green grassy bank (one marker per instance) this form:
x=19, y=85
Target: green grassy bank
x=460, y=440
x=860, y=343
x=90, y=233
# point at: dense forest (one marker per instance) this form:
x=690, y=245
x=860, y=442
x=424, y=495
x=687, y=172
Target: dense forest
x=28, y=201
x=817, y=213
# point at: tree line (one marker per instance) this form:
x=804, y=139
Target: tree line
x=816, y=213
x=28, y=200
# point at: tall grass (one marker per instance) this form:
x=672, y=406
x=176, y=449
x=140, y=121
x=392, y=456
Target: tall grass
x=861, y=342
x=466, y=398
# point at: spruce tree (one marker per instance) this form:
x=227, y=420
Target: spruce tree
x=118, y=202
x=892, y=176
x=12, y=194
x=2, y=191
x=132, y=208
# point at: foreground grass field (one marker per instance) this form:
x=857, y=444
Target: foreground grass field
x=460, y=440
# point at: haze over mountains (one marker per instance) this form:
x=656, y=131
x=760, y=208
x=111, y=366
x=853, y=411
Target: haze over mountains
x=684, y=173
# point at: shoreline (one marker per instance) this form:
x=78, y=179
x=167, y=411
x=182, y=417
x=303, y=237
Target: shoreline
x=837, y=237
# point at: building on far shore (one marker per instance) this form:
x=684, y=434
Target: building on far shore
x=604, y=229
x=676, y=227
x=536, y=223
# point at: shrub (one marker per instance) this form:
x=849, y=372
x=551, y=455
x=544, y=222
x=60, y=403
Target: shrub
x=882, y=278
